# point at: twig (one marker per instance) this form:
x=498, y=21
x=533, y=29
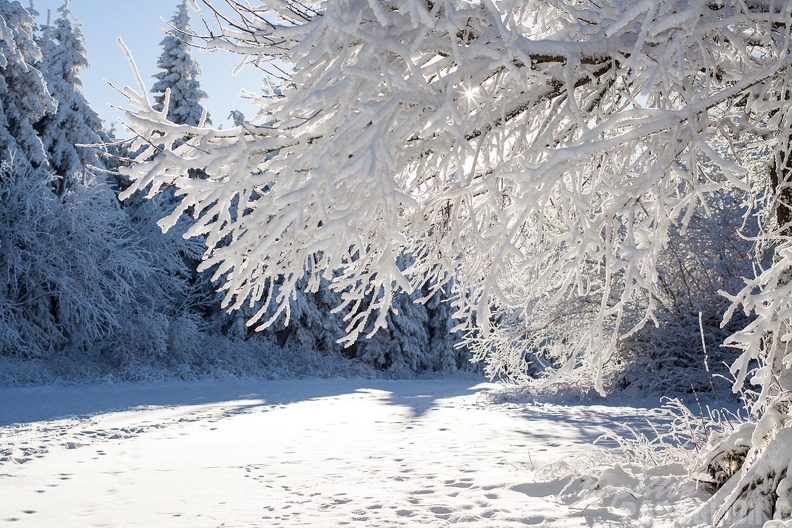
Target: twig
x=709, y=374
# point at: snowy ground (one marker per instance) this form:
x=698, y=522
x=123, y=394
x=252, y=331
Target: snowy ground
x=314, y=453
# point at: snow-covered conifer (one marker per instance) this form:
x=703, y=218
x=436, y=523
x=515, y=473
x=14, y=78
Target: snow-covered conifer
x=419, y=334
x=24, y=98
x=445, y=342
x=74, y=122
x=403, y=344
x=68, y=264
x=179, y=73
x=85, y=282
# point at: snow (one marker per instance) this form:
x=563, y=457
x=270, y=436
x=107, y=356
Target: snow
x=373, y=453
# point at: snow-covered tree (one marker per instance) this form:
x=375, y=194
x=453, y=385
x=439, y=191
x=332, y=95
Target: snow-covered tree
x=419, y=336
x=540, y=153
x=178, y=95
x=24, y=98
x=74, y=122
x=68, y=264
x=552, y=146
x=445, y=341
x=86, y=285
x=179, y=75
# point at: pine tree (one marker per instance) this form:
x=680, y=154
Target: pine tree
x=24, y=98
x=445, y=343
x=85, y=285
x=403, y=345
x=179, y=73
x=179, y=76
x=74, y=123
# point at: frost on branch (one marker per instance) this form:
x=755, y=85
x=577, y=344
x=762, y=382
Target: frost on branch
x=537, y=152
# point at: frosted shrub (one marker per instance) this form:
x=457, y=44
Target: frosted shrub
x=749, y=469
x=88, y=290
x=709, y=256
x=676, y=435
x=68, y=265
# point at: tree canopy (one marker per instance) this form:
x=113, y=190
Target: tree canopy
x=534, y=151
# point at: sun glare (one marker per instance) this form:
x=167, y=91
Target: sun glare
x=470, y=94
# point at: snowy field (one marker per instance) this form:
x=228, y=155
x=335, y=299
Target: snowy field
x=309, y=453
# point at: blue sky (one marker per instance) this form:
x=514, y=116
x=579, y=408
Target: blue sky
x=141, y=25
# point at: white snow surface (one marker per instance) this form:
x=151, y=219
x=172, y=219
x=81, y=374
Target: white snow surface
x=368, y=453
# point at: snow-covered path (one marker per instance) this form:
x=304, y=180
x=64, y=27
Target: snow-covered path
x=285, y=454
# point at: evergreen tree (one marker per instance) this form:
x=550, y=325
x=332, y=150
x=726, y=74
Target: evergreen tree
x=85, y=286
x=74, y=123
x=418, y=336
x=446, y=344
x=179, y=76
x=403, y=345
x=179, y=73
x=24, y=98
x=312, y=325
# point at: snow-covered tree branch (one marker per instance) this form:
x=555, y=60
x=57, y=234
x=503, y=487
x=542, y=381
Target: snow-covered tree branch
x=547, y=144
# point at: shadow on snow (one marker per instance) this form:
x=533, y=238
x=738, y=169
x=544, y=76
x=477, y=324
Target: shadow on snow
x=21, y=405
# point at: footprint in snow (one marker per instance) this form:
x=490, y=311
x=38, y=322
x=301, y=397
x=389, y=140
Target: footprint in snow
x=461, y=483
x=423, y=492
